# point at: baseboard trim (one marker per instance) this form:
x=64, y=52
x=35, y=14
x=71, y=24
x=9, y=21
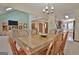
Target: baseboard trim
x=76, y=41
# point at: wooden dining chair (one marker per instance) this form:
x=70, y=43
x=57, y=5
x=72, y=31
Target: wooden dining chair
x=54, y=46
x=23, y=52
x=65, y=34
x=13, y=47
x=19, y=51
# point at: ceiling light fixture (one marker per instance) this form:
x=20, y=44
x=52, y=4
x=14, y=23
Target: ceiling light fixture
x=8, y=9
x=66, y=16
x=48, y=9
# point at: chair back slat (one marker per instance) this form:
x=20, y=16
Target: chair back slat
x=16, y=51
x=54, y=47
x=13, y=47
x=65, y=34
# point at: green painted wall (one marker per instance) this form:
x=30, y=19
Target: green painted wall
x=16, y=15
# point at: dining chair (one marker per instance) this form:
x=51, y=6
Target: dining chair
x=54, y=46
x=65, y=34
x=23, y=52
x=17, y=51
x=13, y=47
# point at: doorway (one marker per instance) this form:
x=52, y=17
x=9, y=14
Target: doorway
x=43, y=27
x=40, y=27
x=70, y=27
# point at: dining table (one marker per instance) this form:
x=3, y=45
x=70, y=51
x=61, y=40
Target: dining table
x=37, y=44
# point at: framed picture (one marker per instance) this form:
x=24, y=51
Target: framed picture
x=25, y=25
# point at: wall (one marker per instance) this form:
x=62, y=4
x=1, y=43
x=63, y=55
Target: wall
x=75, y=15
x=77, y=25
x=51, y=23
x=16, y=15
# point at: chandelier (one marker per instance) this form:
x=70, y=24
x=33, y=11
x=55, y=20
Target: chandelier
x=48, y=9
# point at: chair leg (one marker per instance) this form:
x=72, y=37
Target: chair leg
x=61, y=53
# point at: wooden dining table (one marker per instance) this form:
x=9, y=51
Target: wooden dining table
x=37, y=44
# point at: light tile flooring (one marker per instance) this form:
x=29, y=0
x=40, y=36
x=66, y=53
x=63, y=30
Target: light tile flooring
x=72, y=48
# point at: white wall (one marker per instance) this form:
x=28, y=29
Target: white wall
x=51, y=22
x=75, y=14
x=77, y=29
x=77, y=25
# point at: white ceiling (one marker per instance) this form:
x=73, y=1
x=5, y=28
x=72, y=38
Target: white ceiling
x=3, y=9
x=36, y=8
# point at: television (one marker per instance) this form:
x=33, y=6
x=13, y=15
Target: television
x=12, y=22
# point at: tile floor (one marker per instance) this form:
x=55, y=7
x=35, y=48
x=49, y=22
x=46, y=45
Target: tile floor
x=72, y=48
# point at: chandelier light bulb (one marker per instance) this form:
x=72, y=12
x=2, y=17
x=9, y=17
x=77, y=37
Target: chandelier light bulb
x=47, y=12
x=43, y=10
x=52, y=7
x=66, y=16
x=46, y=7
